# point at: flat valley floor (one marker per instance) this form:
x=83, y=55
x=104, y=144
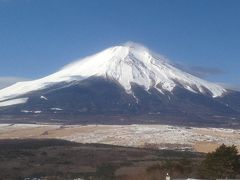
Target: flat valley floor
x=147, y=136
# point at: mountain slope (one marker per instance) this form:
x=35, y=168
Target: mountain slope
x=122, y=80
x=124, y=64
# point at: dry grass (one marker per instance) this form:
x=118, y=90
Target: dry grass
x=121, y=135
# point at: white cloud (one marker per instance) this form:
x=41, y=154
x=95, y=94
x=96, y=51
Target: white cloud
x=235, y=87
x=8, y=81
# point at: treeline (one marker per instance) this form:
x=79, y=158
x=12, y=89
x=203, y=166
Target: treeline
x=223, y=163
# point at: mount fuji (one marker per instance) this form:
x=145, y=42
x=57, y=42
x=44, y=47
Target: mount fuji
x=122, y=84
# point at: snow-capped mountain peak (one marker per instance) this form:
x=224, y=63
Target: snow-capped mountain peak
x=132, y=63
x=126, y=64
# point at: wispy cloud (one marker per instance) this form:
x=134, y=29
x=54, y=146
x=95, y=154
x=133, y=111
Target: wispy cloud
x=8, y=81
x=206, y=72
x=201, y=71
x=235, y=87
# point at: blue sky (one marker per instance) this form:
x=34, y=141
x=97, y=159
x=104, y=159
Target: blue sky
x=37, y=37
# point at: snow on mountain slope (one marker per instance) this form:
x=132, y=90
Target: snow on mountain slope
x=13, y=102
x=125, y=64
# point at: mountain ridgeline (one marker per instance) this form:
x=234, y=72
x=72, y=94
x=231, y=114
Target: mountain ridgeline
x=121, y=85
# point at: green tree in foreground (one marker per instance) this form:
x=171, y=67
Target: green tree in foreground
x=222, y=163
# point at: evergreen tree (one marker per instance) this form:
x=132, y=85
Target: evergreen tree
x=222, y=163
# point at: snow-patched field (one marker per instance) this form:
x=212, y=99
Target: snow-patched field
x=159, y=136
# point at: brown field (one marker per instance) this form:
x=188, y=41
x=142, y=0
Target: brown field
x=159, y=136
